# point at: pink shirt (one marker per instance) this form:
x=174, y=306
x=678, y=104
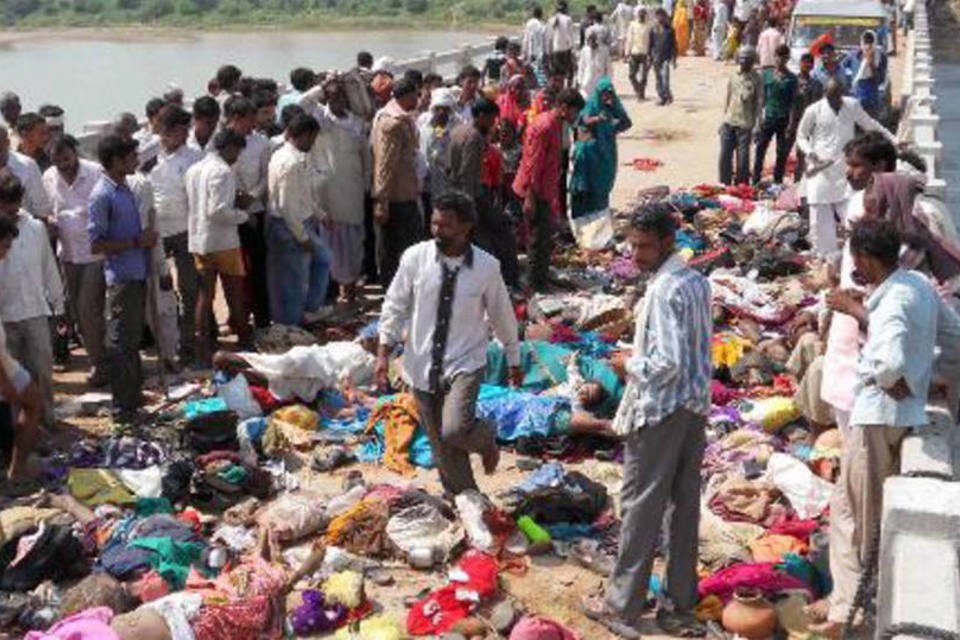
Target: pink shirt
x=767, y=44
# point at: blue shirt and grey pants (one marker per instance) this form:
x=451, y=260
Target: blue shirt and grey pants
x=114, y=216
x=663, y=452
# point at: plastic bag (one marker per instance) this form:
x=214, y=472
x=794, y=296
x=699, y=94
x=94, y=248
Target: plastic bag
x=773, y=413
x=472, y=505
x=808, y=494
x=294, y=515
x=236, y=394
x=422, y=526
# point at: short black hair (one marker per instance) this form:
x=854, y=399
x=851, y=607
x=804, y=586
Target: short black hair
x=433, y=79
x=114, y=147
x=289, y=112
x=876, y=238
x=807, y=57
x=63, y=143
x=415, y=76
x=458, y=203
x=50, y=111
x=537, y=12
x=263, y=99
x=365, y=59
x=656, y=220
x=153, y=106
x=302, y=123
x=873, y=147
x=783, y=50
x=265, y=84
x=227, y=138
x=173, y=116
x=11, y=188
x=403, y=87
x=469, y=71
x=483, y=106
x=27, y=121
x=869, y=37
x=570, y=98
x=206, y=108
x=228, y=76
x=302, y=78
x=8, y=227
x=500, y=44
x=238, y=107
x=826, y=46
x=245, y=86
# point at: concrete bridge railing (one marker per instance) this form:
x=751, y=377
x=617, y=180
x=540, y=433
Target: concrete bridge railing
x=918, y=591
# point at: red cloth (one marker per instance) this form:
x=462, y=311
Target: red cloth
x=442, y=608
x=762, y=576
x=250, y=619
x=510, y=107
x=539, y=171
x=267, y=401
x=797, y=528
x=491, y=167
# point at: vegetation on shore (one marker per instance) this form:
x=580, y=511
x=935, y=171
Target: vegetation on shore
x=198, y=14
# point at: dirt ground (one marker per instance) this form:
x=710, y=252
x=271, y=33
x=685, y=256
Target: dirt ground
x=683, y=136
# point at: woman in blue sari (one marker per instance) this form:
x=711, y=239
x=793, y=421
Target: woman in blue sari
x=595, y=152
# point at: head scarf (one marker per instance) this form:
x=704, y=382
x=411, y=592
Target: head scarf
x=442, y=97
x=595, y=105
x=895, y=195
x=595, y=159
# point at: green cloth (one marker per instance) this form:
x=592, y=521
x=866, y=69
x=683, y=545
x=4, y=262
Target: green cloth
x=94, y=487
x=234, y=474
x=151, y=506
x=171, y=559
x=544, y=366
x=595, y=160
x=778, y=94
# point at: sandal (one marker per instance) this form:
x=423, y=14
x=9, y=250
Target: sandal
x=596, y=609
x=680, y=625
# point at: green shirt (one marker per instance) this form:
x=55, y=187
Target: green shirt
x=778, y=92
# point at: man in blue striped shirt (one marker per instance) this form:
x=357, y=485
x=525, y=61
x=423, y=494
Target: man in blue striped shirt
x=662, y=418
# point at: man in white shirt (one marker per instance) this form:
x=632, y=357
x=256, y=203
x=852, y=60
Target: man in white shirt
x=19, y=397
x=298, y=259
x=768, y=41
x=30, y=293
x=534, y=44
x=449, y=291
x=825, y=129
x=621, y=17
x=251, y=171
x=594, y=62
x=902, y=317
x=216, y=209
x=636, y=50
x=35, y=199
x=561, y=37
x=172, y=211
x=69, y=183
x=206, y=117
x=147, y=137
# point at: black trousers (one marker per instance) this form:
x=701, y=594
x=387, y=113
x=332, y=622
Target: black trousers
x=495, y=235
x=734, y=140
x=768, y=130
x=254, y=244
x=126, y=302
x=639, y=65
x=404, y=228
x=542, y=246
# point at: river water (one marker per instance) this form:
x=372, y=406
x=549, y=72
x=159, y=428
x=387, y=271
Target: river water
x=95, y=79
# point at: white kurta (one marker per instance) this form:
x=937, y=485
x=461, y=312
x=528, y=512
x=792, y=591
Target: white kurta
x=825, y=132
x=594, y=64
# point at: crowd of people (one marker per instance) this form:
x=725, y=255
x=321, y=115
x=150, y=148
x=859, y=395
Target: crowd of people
x=290, y=201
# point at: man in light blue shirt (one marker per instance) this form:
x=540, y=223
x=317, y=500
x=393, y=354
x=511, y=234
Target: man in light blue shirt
x=902, y=316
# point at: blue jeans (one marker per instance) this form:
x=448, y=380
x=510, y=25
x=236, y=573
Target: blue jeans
x=662, y=72
x=298, y=279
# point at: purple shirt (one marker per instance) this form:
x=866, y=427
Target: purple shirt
x=114, y=216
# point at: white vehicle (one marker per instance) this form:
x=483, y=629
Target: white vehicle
x=845, y=20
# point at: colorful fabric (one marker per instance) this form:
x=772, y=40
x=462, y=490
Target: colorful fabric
x=92, y=624
x=401, y=421
x=762, y=576
x=539, y=171
x=473, y=580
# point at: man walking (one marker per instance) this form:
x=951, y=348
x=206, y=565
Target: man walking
x=663, y=53
x=299, y=260
x=116, y=232
x=741, y=114
x=448, y=290
x=396, y=188
x=168, y=179
x=69, y=184
x=636, y=50
x=538, y=179
x=534, y=44
x=662, y=417
x=561, y=36
x=465, y=153
x=779, y=94
x=825, y=129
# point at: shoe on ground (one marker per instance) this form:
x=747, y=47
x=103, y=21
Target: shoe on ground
x=321, y=314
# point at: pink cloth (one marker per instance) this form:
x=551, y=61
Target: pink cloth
x=531, y=628
x=91, y=624
x=762, y=576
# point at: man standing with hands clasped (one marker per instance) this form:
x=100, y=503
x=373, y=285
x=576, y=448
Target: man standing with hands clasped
x=661, y=418
x=448, y=289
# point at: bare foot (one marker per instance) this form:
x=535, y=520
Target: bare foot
x=818, y=610
x=827, y=629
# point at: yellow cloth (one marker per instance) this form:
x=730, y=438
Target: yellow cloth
x=773, y=413
x=344, y=587
x=98, y=486
x=297, y=415
x=773, y=547
x=17, y=520
x=681, y=28
x=400, y=420
x=375, y=628
x=727, y=348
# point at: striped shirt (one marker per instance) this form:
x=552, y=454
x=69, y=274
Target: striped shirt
x=674, y=370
